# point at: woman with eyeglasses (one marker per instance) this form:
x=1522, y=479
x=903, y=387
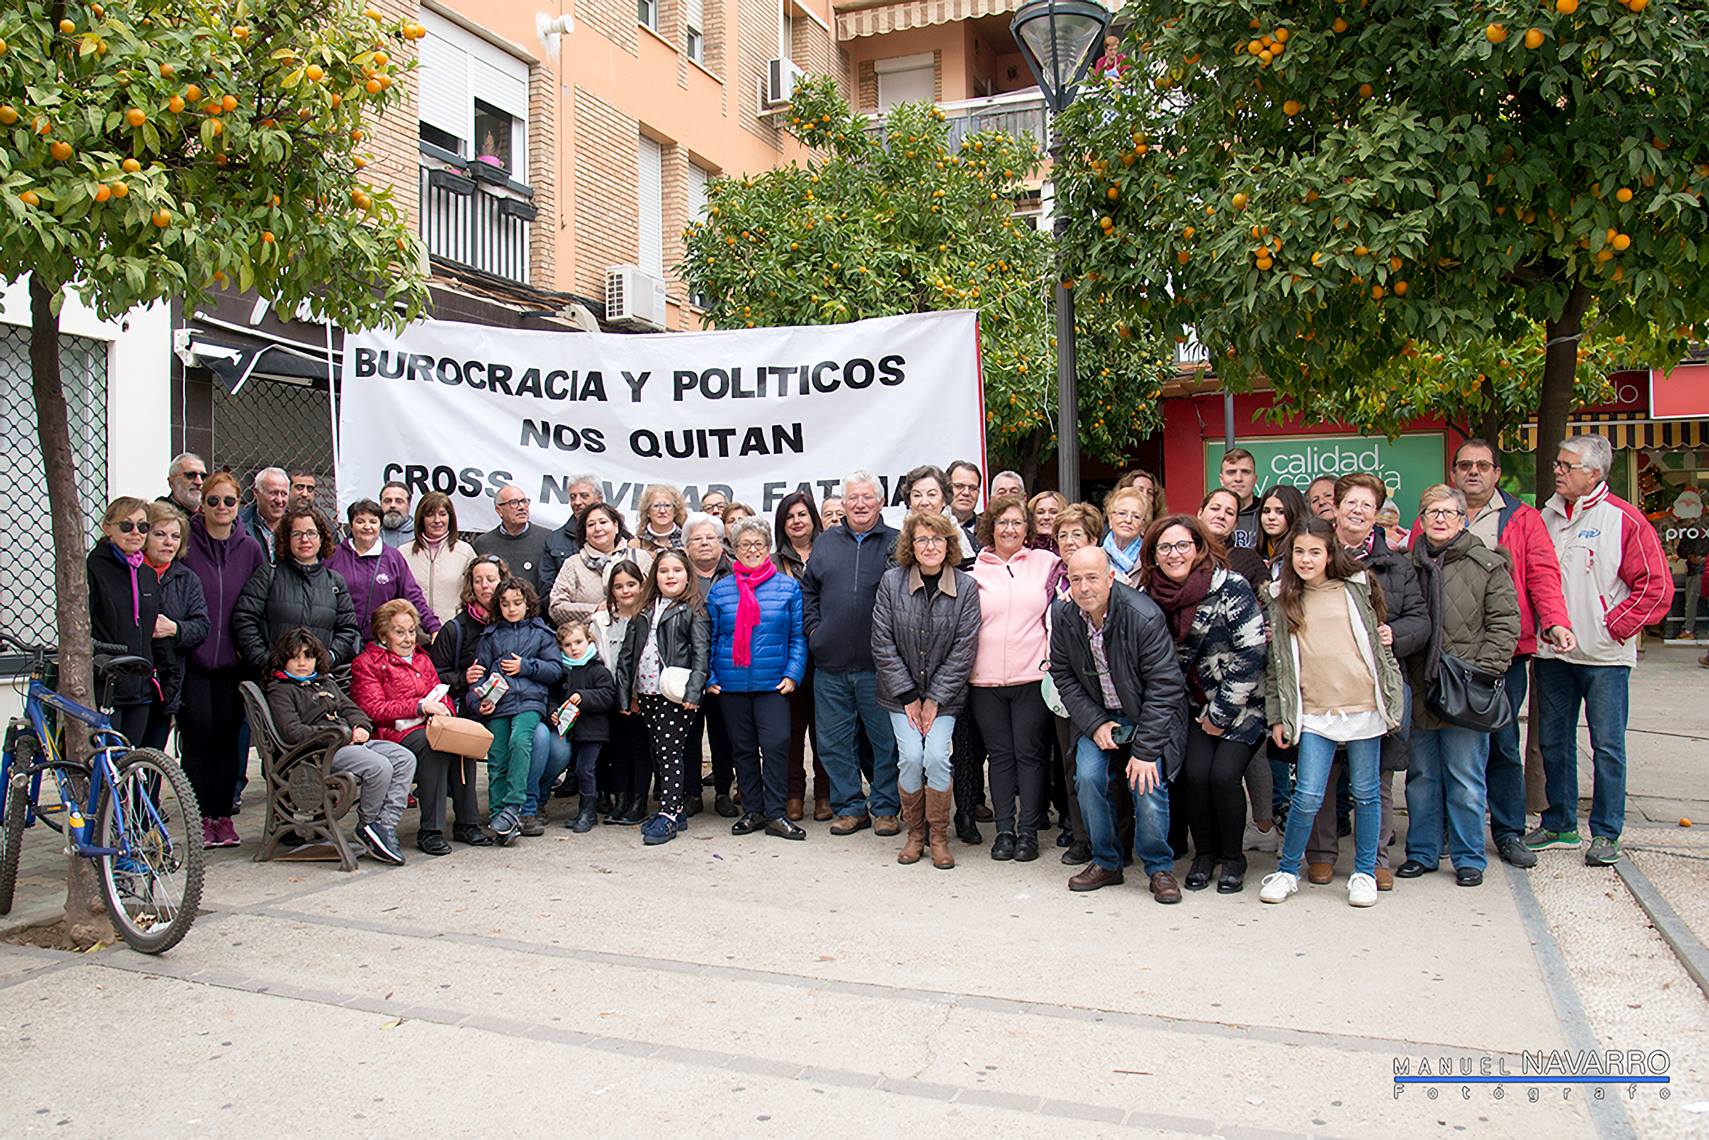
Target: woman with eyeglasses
x=299, y=591
x=663, y=511
x=124, y=605
x=1127, y=511
x=759, y=657
x=453, y=657
x=1014, y=581
x=1220, y=641
x=1474, y=616
x=224, y=556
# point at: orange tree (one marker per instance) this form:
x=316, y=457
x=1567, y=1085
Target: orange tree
x=912, y=220
x=1336, y=194
x=152, y=149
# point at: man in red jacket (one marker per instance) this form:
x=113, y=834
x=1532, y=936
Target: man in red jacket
x=1517, y=529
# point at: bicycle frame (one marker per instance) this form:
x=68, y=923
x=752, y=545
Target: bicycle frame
x=103, y=772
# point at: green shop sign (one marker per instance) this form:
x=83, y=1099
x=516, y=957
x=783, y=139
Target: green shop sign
x=1408, y=464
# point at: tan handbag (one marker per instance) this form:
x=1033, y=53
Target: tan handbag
x=459, y=736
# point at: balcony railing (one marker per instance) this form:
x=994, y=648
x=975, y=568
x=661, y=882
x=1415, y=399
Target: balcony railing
x=474, y=215
x=1018, y=113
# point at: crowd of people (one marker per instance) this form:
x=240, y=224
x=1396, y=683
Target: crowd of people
x=1157, y=685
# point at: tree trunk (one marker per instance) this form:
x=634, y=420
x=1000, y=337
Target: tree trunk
x=83, y=913
x=1560, y=371
x=1029, y=459
x=1489, y=425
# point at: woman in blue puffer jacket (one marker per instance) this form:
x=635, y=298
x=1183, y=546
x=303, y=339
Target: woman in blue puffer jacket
x=759, y=655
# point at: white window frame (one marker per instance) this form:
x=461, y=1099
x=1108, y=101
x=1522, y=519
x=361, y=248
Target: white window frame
x=647, y=13
x=895, y=68
x=457, y=68
x=650, y=206
x=785, y=31
x=694, y=36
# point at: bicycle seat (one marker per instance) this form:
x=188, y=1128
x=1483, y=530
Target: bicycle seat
x=106, y=666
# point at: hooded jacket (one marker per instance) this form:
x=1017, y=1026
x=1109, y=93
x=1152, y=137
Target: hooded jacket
x=531, y=688
x=377, y=577
x=302, y=708
x=924, y=641
x=118, y=617
x=224, y=566
x=280, y=598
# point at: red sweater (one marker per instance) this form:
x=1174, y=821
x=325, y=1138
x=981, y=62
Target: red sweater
x=1536, y=574
x=389, y=688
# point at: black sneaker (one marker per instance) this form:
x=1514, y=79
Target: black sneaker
x=1514, y=853
x=1078, y=854
x=380, y=845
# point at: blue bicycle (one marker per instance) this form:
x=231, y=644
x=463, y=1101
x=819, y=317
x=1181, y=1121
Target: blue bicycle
x=131, y=810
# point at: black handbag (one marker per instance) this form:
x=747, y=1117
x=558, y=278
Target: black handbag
x=1462, y=694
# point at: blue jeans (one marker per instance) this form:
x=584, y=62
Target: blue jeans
x=1446, y=772
x=922, y=761
x=1150, y=812
x=840, y=702
x=1311, y=780
x=1602, y=689
x=552, y=759
x=1504, y=775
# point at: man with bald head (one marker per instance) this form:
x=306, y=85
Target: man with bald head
x=1114, y=665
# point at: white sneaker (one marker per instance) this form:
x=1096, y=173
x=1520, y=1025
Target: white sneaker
x=1278, y=885
x=1362, y=890
x=1255, y=840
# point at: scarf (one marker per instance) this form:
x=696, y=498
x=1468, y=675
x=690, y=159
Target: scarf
x=1124, y=558
x=478, y=614
x=595, y=560
x=748, y=580
x=1180, y=600
x=577, y=662
x=134, y=561
x=286, y=675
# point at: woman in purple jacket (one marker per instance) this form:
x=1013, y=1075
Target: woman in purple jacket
x=376, y=573
x=210, y=718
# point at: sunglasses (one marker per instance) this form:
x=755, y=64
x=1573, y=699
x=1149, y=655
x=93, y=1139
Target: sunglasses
x=220, y=500
x=126, y=526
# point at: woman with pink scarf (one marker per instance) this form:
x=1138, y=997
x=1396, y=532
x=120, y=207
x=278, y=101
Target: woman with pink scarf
x=759, y=654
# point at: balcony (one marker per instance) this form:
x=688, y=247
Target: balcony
x=474, y=214
x=1018, y=113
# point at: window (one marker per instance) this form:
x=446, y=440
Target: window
x=650, y=207
x=785, y=31
x=647, y=12
x=474, y=97
x=694, y=21
x=906, y=79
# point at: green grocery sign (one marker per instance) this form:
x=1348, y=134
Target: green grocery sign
x=1408, y=464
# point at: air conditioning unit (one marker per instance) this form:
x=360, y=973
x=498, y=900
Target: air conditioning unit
x=781, y=75
x=634, y=298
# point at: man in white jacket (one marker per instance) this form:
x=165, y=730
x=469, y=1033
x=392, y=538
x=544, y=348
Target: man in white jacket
x=1616, y=581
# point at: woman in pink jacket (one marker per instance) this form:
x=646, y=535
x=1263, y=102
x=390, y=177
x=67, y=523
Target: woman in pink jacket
x=1013, y=655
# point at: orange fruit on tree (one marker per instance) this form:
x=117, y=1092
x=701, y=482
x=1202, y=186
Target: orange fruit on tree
x=356, y=136
x=228, y=102
x=167, y=71
x=1366, y=90
x=381, y=59
x=130, y=166
x=1394, y=263
x=30, y=198
x=192, y=94
x=8, y=114
x=1184, y=256
x=240, y=33
x=1534, y=37
x=120, y=189
x=336, y=100
x=314, y=73
x=1496, y=33
x=267, y=237
x=1360, y=251
x=1624, y=194
x=175, y=104
x=1112, y=193
x=1282, y=35
x=1291, y=107
x=1239, y=201
x=103, y=192
x=1189, y=232
x=161, y=219
x=136, y=116
x=1400, y=288
x=216, y=127
x=60, y=150
x=1377, y=292
x=1338, y=26
x=372, y=87
x=1622, y=242
x=1566, y=7
x=66, y=27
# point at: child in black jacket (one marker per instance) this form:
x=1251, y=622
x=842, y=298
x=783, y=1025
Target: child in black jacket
x=585, y=698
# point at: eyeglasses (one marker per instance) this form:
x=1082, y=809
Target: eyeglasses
x=1474, y=465
x=194, y=476
x=1011, y=524
x=221, y=500
x=1559, y=466
x=126, y=526
x=931, y=540
x=1126, y=516
x=1442, y=514
x=302, y=534
x=1185, y=546
x=754, y=547
x=513, y=503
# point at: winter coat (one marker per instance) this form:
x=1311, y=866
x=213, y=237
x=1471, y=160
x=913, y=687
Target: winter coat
x=400, y=537
x=580, y=589
x=1014, y=596
x=599, y=697
x=1144, y=668
x=924, y=641
x=1524, y=538
x=453, y=651
x=531, y=688
x=1282, y=678
x=224, y=567
x=777, y=648
x=1224, y=655
x=249, y=523
x=685, y=642
x=439, y=574
x=527, y=554
x=1408, y=617
x=1249, y=564
x=302, y=708
x=119, y=618
x=379, y=576
x=563, y=542
x=788, y=561
x=181, y=600
x=1614, y=576
x=836, y=595
x=390, y=689
x=1474, y=614
x=280, y=598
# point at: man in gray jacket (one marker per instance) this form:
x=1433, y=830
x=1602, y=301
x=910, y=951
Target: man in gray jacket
x=1114, y=665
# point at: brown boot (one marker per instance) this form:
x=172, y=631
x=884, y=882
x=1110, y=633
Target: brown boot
x=821, y=805
x=914, y=815
x=938, y=807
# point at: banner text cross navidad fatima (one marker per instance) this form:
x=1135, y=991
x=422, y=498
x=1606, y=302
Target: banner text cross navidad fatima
x=755, y=413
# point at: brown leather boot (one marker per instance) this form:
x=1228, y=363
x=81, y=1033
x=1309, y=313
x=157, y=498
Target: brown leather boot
x=938, y=808
x=914, y=816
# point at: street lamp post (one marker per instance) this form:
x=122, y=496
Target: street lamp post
x=1057, y=39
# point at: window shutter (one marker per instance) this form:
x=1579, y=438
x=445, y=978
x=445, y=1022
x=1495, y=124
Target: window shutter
x=446, y=102
x=694, y=15
x=697, y=179
x=650, y=194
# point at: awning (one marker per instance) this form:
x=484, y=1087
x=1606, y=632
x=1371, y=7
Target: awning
x=1654, y=435
x=916, y=14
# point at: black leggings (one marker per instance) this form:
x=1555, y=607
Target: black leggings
x=1015, y=723
x=671, y=727
x=967, y=762
x=630, y=756
x=210, y=728
x=1213, y=792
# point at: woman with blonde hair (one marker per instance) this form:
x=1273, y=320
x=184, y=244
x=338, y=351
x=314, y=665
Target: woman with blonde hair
x=663, y=511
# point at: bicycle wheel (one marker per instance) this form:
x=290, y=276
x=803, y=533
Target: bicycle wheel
x=153, y=884
x=17, y=793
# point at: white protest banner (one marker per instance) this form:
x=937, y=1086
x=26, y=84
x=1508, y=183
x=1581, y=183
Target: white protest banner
x=755, y=413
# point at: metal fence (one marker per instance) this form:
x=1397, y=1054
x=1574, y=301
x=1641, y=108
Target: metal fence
x=276, y=423
x=26, y=555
